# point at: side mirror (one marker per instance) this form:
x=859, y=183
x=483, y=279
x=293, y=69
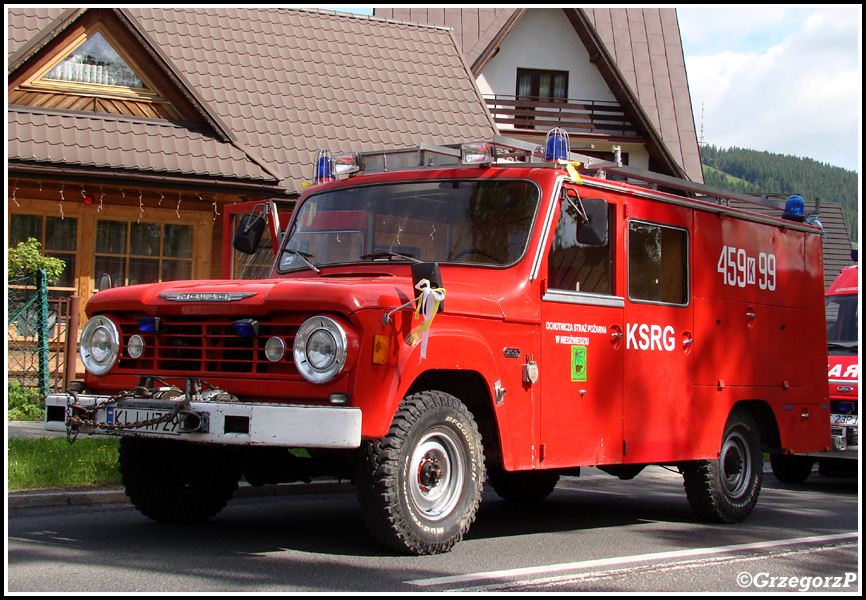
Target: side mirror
x=593, y=230
x=430, y=272
x=250, y=230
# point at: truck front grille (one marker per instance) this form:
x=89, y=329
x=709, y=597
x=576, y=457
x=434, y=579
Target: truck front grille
x=199, y=346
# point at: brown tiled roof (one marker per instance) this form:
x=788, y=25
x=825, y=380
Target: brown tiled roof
x=285, y=83
x=138, y=146
x=647, y=47
x=25, y=23
x=643, y=43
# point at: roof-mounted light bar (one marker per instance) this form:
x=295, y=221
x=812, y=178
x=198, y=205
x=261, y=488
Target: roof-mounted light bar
x=477, y=154
x=346, y=164
x=501, y=150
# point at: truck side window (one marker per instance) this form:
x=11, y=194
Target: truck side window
x=657, y=259
x=574, y=266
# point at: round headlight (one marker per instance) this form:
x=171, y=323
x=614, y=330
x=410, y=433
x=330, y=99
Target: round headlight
x=100, y=345
x=135, y=346
x=320, y=349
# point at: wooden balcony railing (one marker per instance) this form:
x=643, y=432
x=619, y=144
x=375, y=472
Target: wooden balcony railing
x=604, y=119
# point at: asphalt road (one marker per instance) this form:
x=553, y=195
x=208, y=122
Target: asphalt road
x=594, y=533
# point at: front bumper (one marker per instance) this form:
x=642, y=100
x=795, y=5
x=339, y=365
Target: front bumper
x=217, y=422
x=844, y=429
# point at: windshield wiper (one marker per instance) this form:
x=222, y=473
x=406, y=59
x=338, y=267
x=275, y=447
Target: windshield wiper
x=304, y=257
x=381, y=255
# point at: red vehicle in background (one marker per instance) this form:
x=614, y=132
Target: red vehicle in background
x=843, y=338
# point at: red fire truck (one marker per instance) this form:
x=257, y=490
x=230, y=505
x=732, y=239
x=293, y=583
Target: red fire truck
x=843, y=314
x=445, y=316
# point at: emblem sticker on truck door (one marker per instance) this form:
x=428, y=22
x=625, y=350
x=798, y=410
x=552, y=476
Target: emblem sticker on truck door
x=578, y=363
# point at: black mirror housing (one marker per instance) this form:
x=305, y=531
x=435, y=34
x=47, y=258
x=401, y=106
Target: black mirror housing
x=250, y=231
x=593, y=232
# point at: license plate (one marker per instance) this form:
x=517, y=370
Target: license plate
x=126, y=416
x=844, y=419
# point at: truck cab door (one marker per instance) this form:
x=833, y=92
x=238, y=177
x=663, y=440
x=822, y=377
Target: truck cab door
x=238, y=265
x=658, y=403
x=581, y=366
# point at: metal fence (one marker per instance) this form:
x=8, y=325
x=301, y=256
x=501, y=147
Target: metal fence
x=42, y=335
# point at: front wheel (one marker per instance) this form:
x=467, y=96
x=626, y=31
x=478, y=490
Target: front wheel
x=725, y=490
x=420, y=485
x=173, y=481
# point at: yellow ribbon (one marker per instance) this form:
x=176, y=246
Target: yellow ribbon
x=571, y=167
x=427, y=305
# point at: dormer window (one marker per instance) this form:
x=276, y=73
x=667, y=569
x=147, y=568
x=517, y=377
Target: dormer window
x=95, y=62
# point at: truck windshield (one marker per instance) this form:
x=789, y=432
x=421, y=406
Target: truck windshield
x=467, y=222
x=842, y=319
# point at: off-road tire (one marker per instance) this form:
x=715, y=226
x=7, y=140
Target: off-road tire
x=726, y=489
x=791, y=469
x=173, y=481
x=522, y=486
x=420, y=485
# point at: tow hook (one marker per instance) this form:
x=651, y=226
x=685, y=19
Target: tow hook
x=193, y=422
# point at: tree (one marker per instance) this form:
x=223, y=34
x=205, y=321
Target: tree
x=25, y=259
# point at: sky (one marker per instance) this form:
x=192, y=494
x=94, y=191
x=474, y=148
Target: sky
x=784, y=79
x=777, y=78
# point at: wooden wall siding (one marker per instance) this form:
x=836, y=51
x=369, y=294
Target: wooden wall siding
x=118, y=106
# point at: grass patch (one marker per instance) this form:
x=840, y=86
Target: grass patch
x=54, y=462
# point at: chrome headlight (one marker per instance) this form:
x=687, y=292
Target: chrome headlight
x=320, y=349
x=100, y=345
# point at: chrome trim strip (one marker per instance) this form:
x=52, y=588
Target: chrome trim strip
x=548, y=219
x=206, y=296
x=583, y=298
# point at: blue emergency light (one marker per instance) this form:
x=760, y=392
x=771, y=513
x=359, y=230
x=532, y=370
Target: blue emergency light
x=556, y=146
x=794, y=209
x=246, y=328
x=148, y=324
x=323, y=169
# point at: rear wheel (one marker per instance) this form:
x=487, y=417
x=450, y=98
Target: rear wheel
x=420, y=485
x=173, y=481
x=726, y=489
x=522, y=486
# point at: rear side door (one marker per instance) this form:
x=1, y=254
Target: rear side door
x=658, y=396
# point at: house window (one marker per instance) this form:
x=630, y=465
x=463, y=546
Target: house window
x=542, y=86
x=57, y=238
x=657, y=263
x=95, y=62
x=133, y=252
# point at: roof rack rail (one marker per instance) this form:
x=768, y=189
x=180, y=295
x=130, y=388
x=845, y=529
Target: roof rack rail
x=692, y=187
x=505, y=151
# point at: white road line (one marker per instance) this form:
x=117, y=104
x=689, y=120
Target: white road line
x=623, y=560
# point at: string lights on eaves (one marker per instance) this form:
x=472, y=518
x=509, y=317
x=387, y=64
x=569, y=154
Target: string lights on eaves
x=88, y=196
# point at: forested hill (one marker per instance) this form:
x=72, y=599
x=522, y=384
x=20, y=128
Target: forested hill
x=753, y=171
